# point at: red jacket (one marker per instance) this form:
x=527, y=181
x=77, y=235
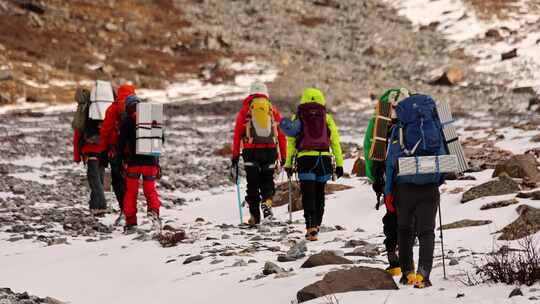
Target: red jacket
x=240, y=131
x=111, y=124
x=78, y=151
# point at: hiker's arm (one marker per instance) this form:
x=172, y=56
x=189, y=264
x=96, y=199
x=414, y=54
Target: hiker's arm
x=368, y=137
x=282, y=140
x=334, y=140
x=390, y=163
x=239, y=130
x=291, y=149
x=122, y=139
x=76, y=150
x=107, y=127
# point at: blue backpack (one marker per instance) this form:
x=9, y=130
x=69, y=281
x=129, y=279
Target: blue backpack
x=418, y=132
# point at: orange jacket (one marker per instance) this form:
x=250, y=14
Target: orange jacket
x=111, y=124
x=240, y=131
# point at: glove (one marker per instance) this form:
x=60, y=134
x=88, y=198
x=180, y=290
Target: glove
x=282, y=163
x=289, y=171
x=158, y=175
x=389, y=201
x=339, y=172
x=234, y=169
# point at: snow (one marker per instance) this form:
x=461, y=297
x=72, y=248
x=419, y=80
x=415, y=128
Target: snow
x=190, y=90
x=461, y=24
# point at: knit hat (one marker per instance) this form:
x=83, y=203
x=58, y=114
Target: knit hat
x=258, y=88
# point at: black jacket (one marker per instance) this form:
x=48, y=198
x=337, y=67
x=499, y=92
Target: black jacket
x=127, y=142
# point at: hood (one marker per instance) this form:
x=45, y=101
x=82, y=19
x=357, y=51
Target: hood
x=124, y=91
x=253, y=96
x=313, y=95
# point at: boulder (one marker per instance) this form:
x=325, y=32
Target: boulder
x=503, y=185
x=519, y=166
x=281, y=197
x=499, y=204
x=465, y=223
x=451, y=76
x=325, y=258
x=192, y=259
x=528, y=223
x=270, y=268
x=297, y=251
x=355, y=279
x=535, y=195
x=369, y=250
x=509, y=55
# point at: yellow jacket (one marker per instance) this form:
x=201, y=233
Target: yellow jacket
x=314, y=95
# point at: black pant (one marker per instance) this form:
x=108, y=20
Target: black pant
x=259, y=165
x=313, y=191
x=117, y=181
x=94, y=174
x=417, y=210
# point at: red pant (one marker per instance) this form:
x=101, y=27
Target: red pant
x=133, y=174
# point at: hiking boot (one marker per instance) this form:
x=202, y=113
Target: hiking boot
x=156, y=221
x=266, y=207
x=408, y=279
x=422, y=282
x=253, y=220
x=99, y=212
x=130, y=229
x=120, y=220
x=394, y=270
x=311, y=234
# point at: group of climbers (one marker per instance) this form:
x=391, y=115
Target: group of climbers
x=412, y=201
x=307, y=150
x=111, y=141
x=307, y=144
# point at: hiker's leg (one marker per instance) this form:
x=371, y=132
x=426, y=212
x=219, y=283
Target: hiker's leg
x=97, y=196
x=268, y=167
x=390, y=229
x=405, y=201
x=426, y=213
x=324, y=174
x=308, y=202
x=149, y=174
x=253, y=197
x=118, y=182
x=319, y=202
x=130, y=197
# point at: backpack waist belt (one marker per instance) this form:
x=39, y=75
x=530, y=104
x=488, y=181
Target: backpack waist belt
x=258, y=146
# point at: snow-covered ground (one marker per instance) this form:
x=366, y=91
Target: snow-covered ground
x=516, y=24
x=123, y=270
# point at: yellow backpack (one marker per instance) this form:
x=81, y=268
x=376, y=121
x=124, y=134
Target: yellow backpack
x=261, y=128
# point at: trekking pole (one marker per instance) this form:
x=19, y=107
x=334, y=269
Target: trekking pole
x=377, y=206
x=238, y=196
x=442, y=240
x=290, y=200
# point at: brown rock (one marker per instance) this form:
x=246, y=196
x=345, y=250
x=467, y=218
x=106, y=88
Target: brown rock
x=503, y=185
x=528, y=223
x=465, y=223
x=493, y=33
x=281, y=197
x=509, y=55
x=535, y=195
x=355, y=279
x=519, y=166
x=325, y=258
x=499, y=204
x=451, y=76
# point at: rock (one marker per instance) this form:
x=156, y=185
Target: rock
x=354, y=279
x=509, y=55
x=460, y=295
x=535, y=195
x=270, y=268
x=500, y=186
x=451, y=76
x=369, y=250
x=240, y=263
x=528, y=223
x=199, y=220
x=297, y=251
x=493, y=33
x=32, y=6
x=281, y=197
x=359, y=168
x=325, y=258
x=225, y=237
x=465, y=223
x=111, y=27
x=499, y=204
x=354, y=243
x=453, y=262
x=169, y=239
x=6, y=75
x=516, y=292
x=192, y=259
x=519, y=166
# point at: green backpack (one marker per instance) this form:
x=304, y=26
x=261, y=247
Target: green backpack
x=396, y=92
x=82, y=97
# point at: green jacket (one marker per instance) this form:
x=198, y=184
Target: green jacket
x=314, y=95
